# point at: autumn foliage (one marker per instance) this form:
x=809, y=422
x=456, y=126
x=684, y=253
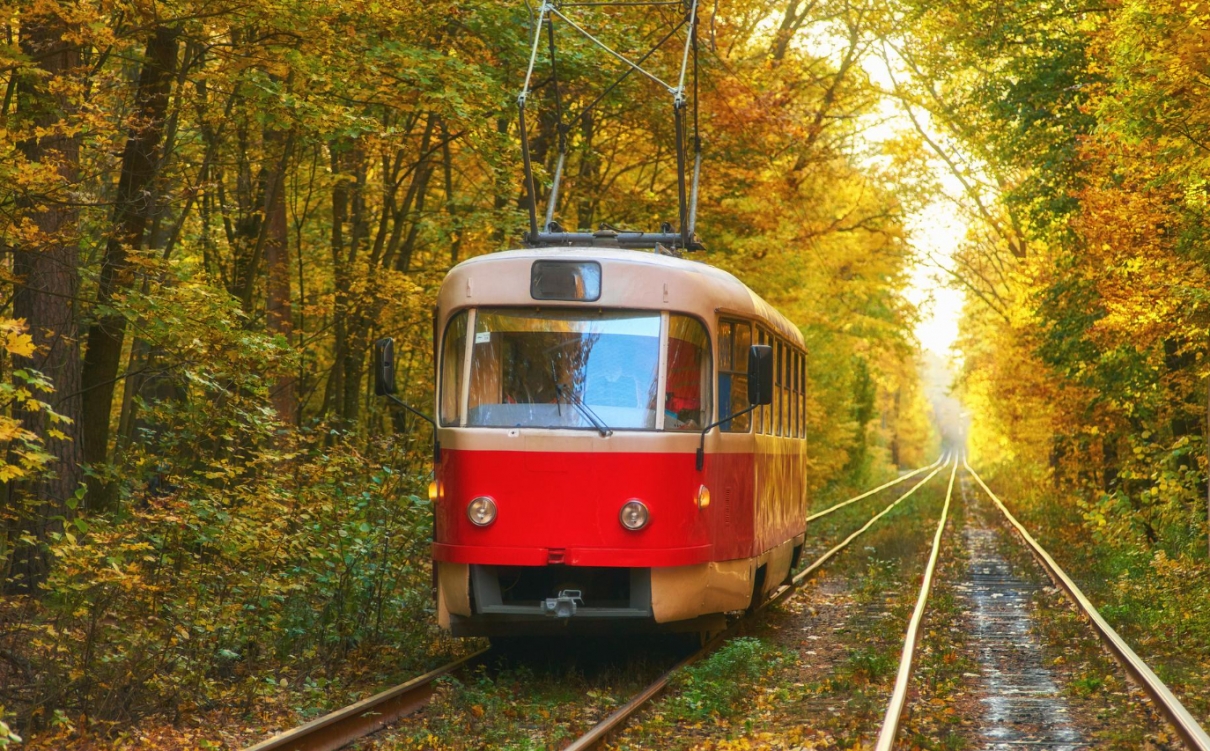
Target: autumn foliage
x=209, y=211
x=1080, y=135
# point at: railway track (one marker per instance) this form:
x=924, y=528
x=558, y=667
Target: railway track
x=1165, y=702
x=337, y=729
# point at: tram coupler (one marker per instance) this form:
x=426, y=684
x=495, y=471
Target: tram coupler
x=563, y=606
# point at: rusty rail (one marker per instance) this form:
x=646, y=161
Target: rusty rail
x=868, y=493
x=1165, y=701
x=894, y=710
x=338, y=729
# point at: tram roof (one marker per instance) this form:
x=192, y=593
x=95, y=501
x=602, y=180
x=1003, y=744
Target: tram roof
x=630, y=279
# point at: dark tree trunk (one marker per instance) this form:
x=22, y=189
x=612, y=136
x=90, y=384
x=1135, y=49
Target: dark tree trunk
x=47, y=272
x=589, y=176
x=133, y=209
x=352, y=354
x=451, y=206
x=279, y=316
x=334, y=390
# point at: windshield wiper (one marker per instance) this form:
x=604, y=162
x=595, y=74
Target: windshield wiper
x=604, y=429
x=585, y=410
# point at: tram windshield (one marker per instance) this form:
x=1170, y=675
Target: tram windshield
x=578, y=369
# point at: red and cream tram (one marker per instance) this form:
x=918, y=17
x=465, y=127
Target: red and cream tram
x=575, y=387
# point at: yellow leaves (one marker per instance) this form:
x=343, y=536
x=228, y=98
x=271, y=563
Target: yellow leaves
x=15, y=340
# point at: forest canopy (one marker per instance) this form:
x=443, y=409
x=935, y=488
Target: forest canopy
x=209, y=211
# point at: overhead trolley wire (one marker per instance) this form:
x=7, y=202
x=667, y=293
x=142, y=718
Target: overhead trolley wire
x=618, y=55
x=621, y=4
x=626, y=73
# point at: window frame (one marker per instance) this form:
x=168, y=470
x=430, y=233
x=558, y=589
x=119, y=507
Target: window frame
x=738, y=367
x=467, y=315
x=710, y=358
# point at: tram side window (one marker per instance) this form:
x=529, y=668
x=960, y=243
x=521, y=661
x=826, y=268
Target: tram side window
x=734, y=340
x=688, y=390
x=779, y=364
x=791, y=367
x=453, y=356
x=796, y=426
x=787, y=406
x=788, y=391
x=799, y=398
x=802, y=401
x=764, y=415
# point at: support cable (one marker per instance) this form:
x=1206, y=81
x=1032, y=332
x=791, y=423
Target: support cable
x=626, y=74
x=553, y=199
x=678, y=106
x=682, y=206
x=609, y=50
x=529, y=175
x=697, y=143
x=525, y=156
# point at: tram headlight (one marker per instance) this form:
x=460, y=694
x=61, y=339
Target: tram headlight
x=703, y=497
x=434, y=491
x=481, y=511
x=634, y=515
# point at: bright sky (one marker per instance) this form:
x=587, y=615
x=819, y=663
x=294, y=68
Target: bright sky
x=935, y=231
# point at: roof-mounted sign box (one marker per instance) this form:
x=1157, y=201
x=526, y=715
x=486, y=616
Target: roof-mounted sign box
x=565, y=280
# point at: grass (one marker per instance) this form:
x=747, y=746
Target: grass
x=717, y=687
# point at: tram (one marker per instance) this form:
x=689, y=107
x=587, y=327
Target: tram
x=621, y=444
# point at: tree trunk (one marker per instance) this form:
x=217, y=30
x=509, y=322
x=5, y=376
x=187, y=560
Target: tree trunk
x=334, y=390
x=589, y=176
x=133, y=207
x=279, y=316
x=47, y=270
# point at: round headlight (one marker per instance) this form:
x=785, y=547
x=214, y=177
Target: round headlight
x=703, y=497
x=481, y=511
x=634, y=515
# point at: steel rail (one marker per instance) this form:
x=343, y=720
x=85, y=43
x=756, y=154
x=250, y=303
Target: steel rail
x=1188, y=728
x=894, y=710
x=868, y=493
x=801, y=576
x=611, y=724
x=339, y=728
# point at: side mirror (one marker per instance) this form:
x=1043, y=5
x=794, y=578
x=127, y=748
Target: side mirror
x=760, y=375
x=384, y=366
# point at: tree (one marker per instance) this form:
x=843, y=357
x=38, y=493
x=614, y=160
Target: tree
x=43, y=243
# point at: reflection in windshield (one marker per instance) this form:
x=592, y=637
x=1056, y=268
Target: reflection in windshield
x=530, y=369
